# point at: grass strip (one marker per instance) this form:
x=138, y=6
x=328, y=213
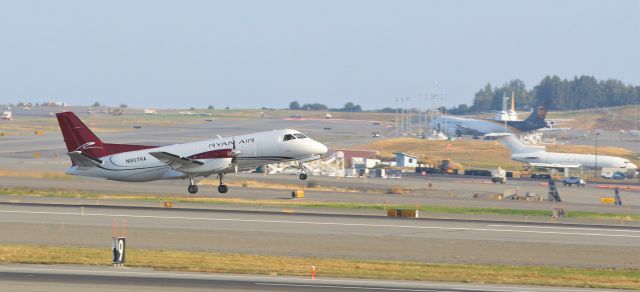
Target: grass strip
x=211, y=262
x=285, y=203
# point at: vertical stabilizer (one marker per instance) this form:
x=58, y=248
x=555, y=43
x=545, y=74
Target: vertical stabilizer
x=515, y=145
x=78, y=136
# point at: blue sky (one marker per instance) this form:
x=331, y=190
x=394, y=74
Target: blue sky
x=249, y=54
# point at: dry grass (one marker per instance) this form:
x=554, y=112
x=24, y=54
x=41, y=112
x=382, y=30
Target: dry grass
x=612, y=118
x=464, y=153
x=34, y=174
x=297, y=266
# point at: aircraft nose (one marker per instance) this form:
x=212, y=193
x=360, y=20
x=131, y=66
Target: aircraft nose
x=319, y=148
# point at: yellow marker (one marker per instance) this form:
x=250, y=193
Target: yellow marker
x=607, y=200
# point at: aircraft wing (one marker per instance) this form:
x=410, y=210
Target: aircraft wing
x=556, y=165
x=83, y=160
x=176, y=161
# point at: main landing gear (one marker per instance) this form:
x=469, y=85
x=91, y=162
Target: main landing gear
x=192, y=187
x=222, y=188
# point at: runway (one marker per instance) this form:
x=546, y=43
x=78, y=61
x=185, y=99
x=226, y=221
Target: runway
x=69, y=278
x=322, y=235
x=445, y=191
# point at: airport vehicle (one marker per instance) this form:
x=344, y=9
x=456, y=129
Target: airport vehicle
x=141, y=163
x=538, y=156
x=540, y=176
x=498, y=175
x=618, y=176
x=574, y=180
x=6, y=116
x=477, y=127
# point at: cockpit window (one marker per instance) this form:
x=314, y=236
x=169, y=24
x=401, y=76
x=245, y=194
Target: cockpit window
x=300, y=136
x=288, y=137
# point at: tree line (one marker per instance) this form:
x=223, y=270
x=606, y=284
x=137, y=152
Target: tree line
x=554, y=93
x=348, y=107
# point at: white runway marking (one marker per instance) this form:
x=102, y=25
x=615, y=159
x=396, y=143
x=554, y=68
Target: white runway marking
x=329, y=223
x=563, y=228
x=346, y=287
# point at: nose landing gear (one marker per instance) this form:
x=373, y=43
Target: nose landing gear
x=303, y=175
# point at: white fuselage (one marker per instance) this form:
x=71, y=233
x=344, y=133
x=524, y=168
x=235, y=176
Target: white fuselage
x=254, y=150
x=449, y=125
x=583, y=160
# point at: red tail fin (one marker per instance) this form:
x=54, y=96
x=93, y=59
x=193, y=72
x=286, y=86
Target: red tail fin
x=78, y=137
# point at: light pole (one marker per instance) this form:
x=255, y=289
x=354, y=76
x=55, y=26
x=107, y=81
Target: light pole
x=596, y=166
x=397, y=122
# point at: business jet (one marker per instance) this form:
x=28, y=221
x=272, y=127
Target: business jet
x=538, y=156
x=141, y=163
x=459, y=126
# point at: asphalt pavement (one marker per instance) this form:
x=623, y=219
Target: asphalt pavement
x=328, y=236
x=18, y=278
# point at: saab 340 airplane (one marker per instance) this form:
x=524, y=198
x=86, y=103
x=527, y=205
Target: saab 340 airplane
x=141, y=163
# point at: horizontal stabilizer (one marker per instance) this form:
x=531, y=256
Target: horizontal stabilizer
x=83, y=160
x=176, y=161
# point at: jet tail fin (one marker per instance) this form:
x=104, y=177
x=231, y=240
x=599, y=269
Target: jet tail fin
x=538, y=115
x=514, y=144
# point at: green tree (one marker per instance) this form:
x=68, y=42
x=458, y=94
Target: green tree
x=294, y=105
x=351, y=107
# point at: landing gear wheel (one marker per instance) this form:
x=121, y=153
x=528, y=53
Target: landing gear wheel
x=223, y=189
x=303, y=176
x=192, y=189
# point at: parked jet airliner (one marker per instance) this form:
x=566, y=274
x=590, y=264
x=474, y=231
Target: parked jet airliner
x=140, y=163
x=459, y=126
x=538, y=156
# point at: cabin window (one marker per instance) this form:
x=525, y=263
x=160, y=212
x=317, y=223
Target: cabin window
x=288, y=137
x=300, y=136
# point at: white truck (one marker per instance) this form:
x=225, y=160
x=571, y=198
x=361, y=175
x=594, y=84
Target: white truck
x=6, y=116
x=499, y=175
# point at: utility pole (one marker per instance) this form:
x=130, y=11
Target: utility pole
x=397, y=122
x=635, y=117
x=408, y=111
x=596, y=166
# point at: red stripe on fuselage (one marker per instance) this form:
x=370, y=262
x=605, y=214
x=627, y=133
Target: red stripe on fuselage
x=220, y=153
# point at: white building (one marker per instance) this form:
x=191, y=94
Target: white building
x=406, y=160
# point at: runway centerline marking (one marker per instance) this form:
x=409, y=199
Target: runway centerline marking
x=321, y=223
x=564, y=228
x=346, y=287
